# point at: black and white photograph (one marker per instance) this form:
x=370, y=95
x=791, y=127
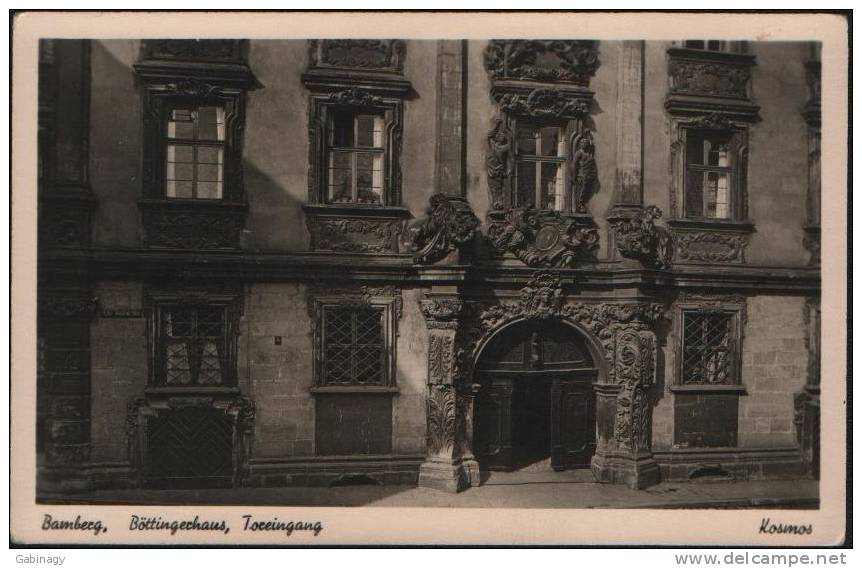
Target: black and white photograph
x=378, y=271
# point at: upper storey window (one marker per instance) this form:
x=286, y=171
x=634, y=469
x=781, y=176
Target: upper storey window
x=355, y=158
x=540, y=174
x=195, y=144
x=716, y=45
x=193, y=95
x=709, y=177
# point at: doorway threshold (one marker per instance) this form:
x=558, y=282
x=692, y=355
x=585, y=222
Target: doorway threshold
x=533, y=475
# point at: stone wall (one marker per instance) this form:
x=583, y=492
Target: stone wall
x=774, y=367
x=119, y=367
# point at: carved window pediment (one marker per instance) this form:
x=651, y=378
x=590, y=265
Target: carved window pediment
x=352, y=54
x=570, y=61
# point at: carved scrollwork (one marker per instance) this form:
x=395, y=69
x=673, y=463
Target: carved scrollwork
x=573, y=61
x=711, y=78
x=355, y=97
x=711, y=246
x=191, y=87
x=377, y=54
x=355, y=235
x=713, y=120
x=634, y=368
x=448, y=226
x=441, y=313
x=166, y=226
x=543, y=103
x=542, y=238
x=639, y=238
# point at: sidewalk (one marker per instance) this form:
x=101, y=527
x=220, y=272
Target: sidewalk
x=540, y=490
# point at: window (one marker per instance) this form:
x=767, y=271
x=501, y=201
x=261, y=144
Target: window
x=708, y=348
x=716, y=45
x=195, y=144
x=353, y=346
x=709, y=174
x=193, y=340
x=355, y=154
x=540, y=152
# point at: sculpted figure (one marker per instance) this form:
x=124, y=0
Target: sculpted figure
x=585, y=173
x=498, y=161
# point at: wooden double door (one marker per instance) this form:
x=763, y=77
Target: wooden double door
x=536, y=402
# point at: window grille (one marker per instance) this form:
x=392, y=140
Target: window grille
x=708, y=345
x=353, y=346
x=194, y=340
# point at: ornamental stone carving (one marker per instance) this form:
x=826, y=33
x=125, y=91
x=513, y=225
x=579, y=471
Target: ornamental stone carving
x=168, y=225
x=542, y=238
x=712, y=78
x=710, y=246
x=194, y=88
x=543, y=103
x=331, y=233
x=449, y=225
x=364, y=54
x=361, y=297
x=639, y=238
x=713, y=120
x=441, y=313
x=570, y=61
x=499, y=161
x=355, y=97
x=442, y=423
x=542, y=298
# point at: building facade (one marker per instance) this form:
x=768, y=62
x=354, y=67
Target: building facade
x=290, y=262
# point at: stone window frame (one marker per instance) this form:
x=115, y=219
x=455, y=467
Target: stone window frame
x=734, y=306
x=389, y=308
x=156, y=302
x=356, y=102
x=681, y=127
x=189, y=74
x=572, y=129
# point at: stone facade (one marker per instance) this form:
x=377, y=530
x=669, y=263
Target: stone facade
x=454, y=257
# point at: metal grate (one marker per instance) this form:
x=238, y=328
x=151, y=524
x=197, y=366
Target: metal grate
x=353, y=346
x=194, y=340
x=707, y=348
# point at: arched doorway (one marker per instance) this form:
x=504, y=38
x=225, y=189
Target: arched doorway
x=536, y=403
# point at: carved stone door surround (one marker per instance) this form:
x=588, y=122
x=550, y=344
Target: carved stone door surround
x=621, y=337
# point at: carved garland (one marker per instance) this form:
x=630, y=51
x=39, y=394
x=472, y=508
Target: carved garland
x=543, y=238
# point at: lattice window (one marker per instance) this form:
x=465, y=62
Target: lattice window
x=354, y=346
x=194, y=340
x=708, y=348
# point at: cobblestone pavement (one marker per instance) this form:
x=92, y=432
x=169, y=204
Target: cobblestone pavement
x=570, y=489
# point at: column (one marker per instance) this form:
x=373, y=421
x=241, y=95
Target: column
x=449, y=464
x=628, y=182
x=451, y=91
x=64, y=292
